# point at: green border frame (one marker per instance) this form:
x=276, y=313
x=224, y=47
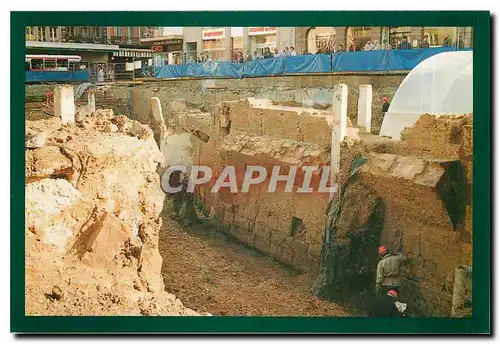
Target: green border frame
x=478, y=323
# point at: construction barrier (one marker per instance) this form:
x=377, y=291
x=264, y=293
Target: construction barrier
x=52, y=76
x=362, y=61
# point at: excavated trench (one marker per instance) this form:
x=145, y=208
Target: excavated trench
x=212, y=272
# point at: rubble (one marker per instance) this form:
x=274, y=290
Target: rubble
x=92, y=208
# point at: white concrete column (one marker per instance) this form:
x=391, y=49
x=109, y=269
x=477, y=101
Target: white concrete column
x=228, y=44
x=170, y=58
x=247, y=46
x=339, y=129
x=158, y=116
x=64, y=103
x=365, y=107
x=339, y=108
x=91, y=102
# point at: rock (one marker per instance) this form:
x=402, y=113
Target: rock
x=37, y=140
x=57, y=293
x=100, y=240
x=111, y=128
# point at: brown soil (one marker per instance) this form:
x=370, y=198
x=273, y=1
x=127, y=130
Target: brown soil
x=211, y=272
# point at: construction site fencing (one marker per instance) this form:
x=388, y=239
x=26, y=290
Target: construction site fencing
x=362, y=61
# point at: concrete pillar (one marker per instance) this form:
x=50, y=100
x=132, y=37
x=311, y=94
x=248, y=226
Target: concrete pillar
x=158, y=116
x=339, y=108
x=91, y=102
x=228, y=44
x=64, y=103
x=339, y=129
x=247, y=46
x=365, y=107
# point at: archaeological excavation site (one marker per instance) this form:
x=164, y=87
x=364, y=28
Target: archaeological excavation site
x=103, y=235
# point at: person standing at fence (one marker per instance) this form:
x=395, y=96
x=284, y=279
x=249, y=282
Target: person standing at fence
x=447, y=41
x=368, y=45
x=353, y=46
x=404, y=45
x=276, y=52
x=286, y=52
x=338, y=48
x=425, y=42
x=100, y=75
x=240, y=58
x=293, y=52
x=267, y=53
x=111, y=74
x=376, y=45
x=460, y=43
x=386, y=45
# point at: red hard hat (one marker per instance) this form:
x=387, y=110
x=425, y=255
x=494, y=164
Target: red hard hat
x=392, y=293
x=382, y=250
x=385, y=99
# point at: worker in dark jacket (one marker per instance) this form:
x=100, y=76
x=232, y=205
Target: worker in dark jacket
x=385, y=306
x=385, y=105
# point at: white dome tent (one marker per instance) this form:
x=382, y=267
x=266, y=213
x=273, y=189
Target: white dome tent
x=441, y=84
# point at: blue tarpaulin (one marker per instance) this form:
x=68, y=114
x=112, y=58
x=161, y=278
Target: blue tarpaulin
x=228, y=69
x=169, y=71
x=361, y=61
x=42, y=76
x=308, y=64
x=265, y=67
x=383, y=60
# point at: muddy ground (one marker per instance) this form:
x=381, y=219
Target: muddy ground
x=211, y=272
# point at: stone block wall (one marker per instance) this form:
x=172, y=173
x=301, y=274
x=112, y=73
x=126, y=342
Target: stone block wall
x=286, y=225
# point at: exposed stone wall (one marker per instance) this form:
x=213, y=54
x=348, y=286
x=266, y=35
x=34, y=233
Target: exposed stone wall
x=287, y=225
x=438, y=136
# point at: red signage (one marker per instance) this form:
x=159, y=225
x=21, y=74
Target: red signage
x=157, y=48
x=213, y=33
x=252, y=31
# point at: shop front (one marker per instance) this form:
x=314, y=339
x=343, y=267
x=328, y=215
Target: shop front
x=261, y=38
x=129, y=63
x=213, y=44
x=167, y=52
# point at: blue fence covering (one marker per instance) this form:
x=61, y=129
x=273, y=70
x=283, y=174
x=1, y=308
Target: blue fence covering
x=169, y=71
x=382, y=60
x=43, y=76
x=264, y=67
x=308, y=64
x=361, y=61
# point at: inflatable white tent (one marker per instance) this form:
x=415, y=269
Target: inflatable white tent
x=441, y=84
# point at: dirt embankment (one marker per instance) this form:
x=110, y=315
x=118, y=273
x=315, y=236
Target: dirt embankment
x=92, y=219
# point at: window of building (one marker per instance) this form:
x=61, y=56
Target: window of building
x=41, y=33
x=319, y=36
x=49, y=64
x=53, y=33
x=438, y=35
x=30, y=36
x=260, y=42
x=413, y=33
x=236, y=47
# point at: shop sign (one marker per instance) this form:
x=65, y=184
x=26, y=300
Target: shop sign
x=157, y=48
x=253, y=31
x=213, y=33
